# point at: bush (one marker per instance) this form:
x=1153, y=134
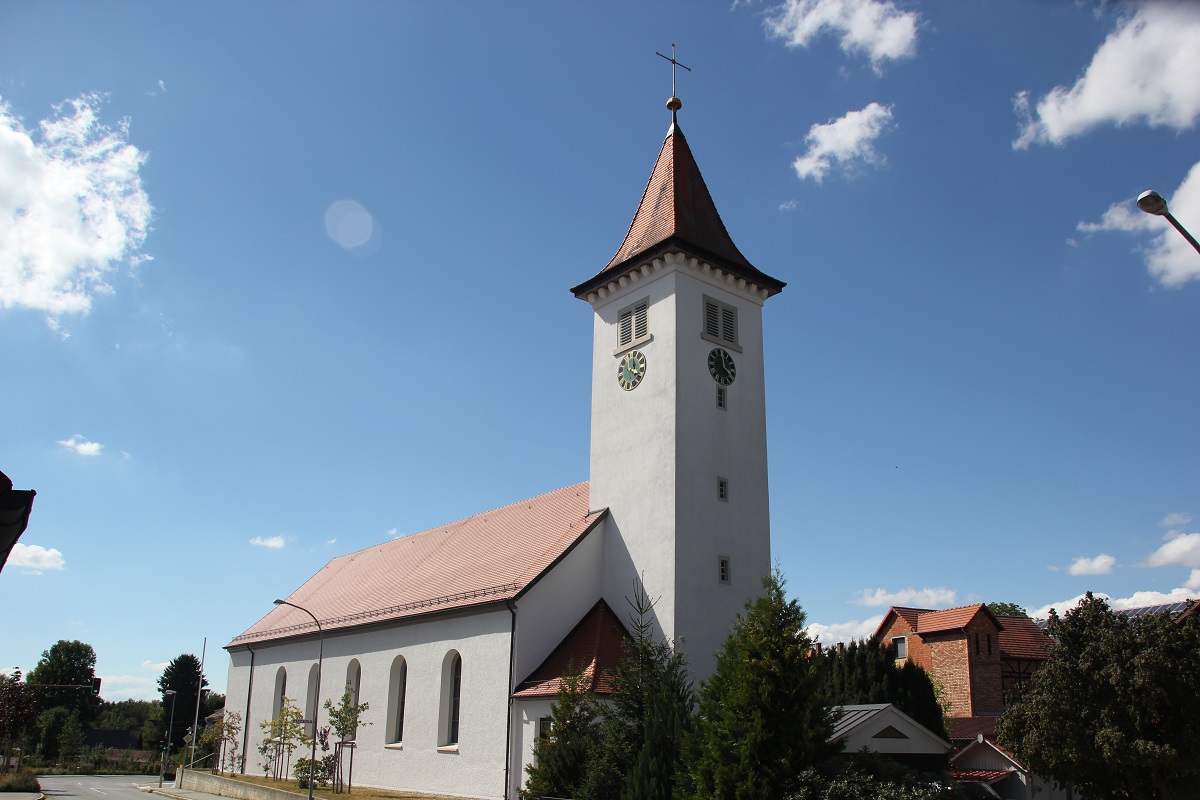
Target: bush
x=21, y=780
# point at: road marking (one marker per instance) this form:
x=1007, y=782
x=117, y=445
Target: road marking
x=94, y=789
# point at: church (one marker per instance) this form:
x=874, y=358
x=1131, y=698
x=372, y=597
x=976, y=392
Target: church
x=458, y=637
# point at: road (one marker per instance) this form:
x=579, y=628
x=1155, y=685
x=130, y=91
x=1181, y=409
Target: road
x=97, y=787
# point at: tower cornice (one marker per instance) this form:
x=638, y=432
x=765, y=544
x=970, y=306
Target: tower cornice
x=678, y=259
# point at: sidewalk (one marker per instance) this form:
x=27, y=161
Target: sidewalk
x=178, y=794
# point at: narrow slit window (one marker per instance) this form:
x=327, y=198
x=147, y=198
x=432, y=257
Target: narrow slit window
x=723, y=569
x=722, y=489
x=722, y=398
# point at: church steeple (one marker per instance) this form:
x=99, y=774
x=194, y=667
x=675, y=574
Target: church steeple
x=678, y=213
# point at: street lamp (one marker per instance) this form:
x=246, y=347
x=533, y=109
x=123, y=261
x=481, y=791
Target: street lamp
x=162, y=764
x=1152, y=202
x=312, y=759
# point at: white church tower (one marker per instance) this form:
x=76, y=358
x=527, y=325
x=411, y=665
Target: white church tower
x=679, y=438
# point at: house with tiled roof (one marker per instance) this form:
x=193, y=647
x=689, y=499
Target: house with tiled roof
x=977, y=659
x=459, y=637
x=984, y=761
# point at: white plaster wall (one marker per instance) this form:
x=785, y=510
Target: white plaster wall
x=526, y=714
x=712, y=444
x=474, y=769
x=633, y=450
x=548, y=611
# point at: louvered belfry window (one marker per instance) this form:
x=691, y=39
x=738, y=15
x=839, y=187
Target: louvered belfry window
x=633, y=323
x=720, y=321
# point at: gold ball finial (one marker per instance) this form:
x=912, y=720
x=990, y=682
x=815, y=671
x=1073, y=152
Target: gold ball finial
x=674, y=104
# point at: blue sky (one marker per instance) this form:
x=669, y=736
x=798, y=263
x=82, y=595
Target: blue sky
x=279, y=281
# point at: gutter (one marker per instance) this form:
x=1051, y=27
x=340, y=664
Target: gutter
x=246, y=720
x=512, y=665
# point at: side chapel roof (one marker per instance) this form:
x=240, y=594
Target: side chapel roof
x=592, y=648
x=485, y=558
x=677, y=211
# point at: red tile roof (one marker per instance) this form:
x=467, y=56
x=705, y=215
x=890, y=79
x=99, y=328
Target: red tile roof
x=1022, y=638
x=594, y=647
x=486, y=558
x=676, y=208
x=970, y=727
x=984, y=775
x=950, y=619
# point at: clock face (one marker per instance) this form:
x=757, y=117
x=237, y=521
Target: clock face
x=720, y=366
x=631, y=370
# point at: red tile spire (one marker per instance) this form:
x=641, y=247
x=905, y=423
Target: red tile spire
x=677, y=212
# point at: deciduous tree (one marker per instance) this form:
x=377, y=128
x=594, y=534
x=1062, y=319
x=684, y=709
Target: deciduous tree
x=70, y=664
x=1115, y=712
x=17, y=711
x=1002, y=609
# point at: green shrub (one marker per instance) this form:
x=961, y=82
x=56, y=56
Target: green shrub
x=21, y=780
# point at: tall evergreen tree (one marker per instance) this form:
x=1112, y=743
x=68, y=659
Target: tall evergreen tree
x=866, y=672
x=642, y=725
x=560, y=758
x=762, y=715
x=185, y=677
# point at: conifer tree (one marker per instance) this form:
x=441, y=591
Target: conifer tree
x=642, y=726
x=867, y=673
x=762, y=714
x=560, y=758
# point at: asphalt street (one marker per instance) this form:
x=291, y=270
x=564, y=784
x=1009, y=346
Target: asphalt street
x=97, y=787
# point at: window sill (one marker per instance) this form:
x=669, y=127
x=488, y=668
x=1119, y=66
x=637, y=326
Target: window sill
x=638, y=342
x=448, y=748
x=394, y=746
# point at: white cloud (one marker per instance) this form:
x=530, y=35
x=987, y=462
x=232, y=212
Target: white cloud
x=875, y=28
x=1188, y=591
x=71, y=207
x=331, y=541
x=843, y=631
x=35, y=558
x=1100, y=565
x=920, y=598
x=1171, y=520
x=150, y=665
x=81, y=445
x=788, y=205
x=1169, y=257
x=273, y=542
x=128, y=687
x=1145, y=71
x=1178, y=549
x=846, y=140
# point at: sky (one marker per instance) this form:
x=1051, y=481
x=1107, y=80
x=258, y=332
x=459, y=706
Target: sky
x=281, y=281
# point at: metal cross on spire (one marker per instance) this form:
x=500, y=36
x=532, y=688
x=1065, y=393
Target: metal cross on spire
x=674, y=64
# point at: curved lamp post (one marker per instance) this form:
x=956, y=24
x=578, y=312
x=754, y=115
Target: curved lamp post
x=312, y=759
x=162, y=766
x=1153, y=203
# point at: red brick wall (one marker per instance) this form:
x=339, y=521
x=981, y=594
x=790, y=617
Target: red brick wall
x=987, y=695
x=952, y=669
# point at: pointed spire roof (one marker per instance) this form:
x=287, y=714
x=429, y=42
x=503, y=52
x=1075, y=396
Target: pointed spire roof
x=677, y=212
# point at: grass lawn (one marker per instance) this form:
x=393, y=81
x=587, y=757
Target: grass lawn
x=357, y=792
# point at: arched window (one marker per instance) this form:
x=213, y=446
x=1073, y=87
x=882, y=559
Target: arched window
x=451, y=699
x=398, y=687
x=280, y=692
x=353, y=679
x=314, y=698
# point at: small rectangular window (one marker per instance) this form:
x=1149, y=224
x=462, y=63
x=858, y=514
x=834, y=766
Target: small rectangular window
x=721, y=398
x=720, y=321
x=544, y=728
x=722, y=489
x=633, y=323
x=723, y=569
x=901, y=643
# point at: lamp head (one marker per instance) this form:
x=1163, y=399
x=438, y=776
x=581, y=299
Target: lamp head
x=1152, y=202
x=277, y=602
x=168, y=691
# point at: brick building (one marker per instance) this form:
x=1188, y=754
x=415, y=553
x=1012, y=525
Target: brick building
x=975, y=657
